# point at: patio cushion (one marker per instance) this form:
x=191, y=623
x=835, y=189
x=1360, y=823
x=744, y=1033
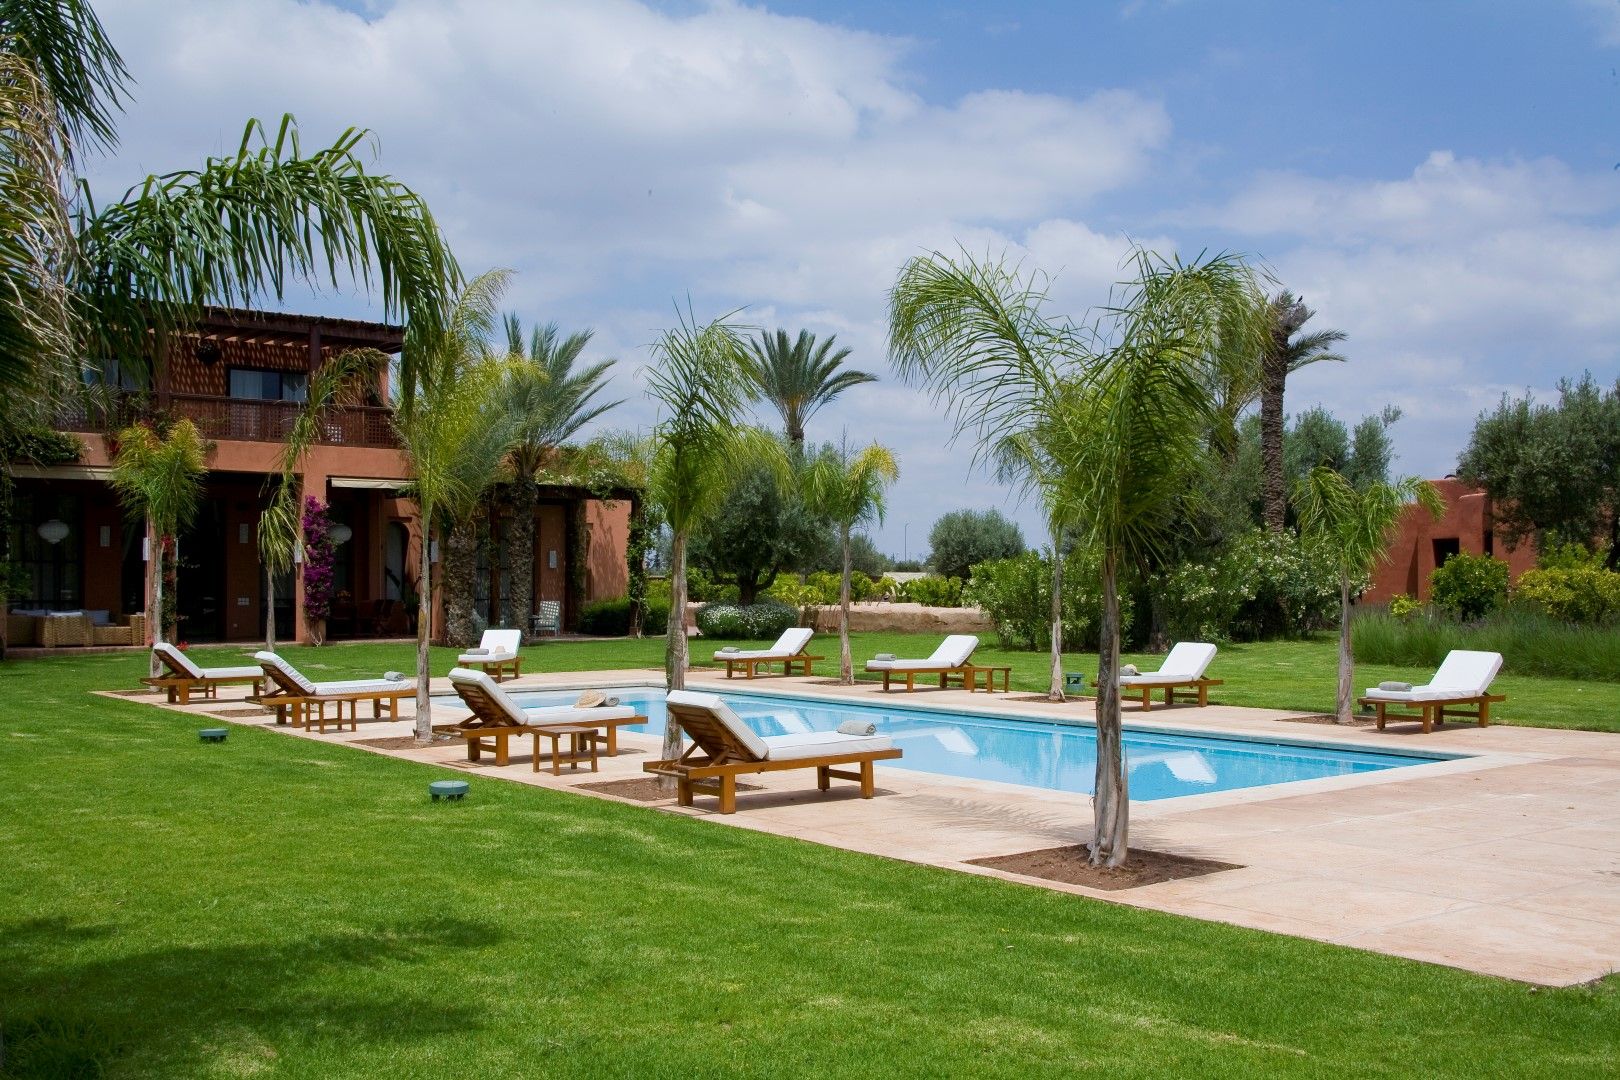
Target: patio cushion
x=1464, y=673
x=820, y=744
x=502, y=641
x=722, y=713
x=362, y=686
x=953, y=652
x=181, y=660
x=572, y=714
x=231, y=672
x=292, y=674
x=791, y=643
x=1185, y=663
x=503, y=701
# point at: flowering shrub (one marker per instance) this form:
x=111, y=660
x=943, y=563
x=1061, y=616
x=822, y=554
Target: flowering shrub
x=1469, y=586
x=1404, y=607
x=1587, y=596
x=320, y=560
x=762, y=621
x=1016, y=594
x=1262, y=585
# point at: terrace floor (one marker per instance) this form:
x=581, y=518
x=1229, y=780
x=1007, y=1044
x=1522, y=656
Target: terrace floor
x=1505, y=863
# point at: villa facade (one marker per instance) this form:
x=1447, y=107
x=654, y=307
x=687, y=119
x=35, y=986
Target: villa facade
x=240, y=377
x=1423, y=543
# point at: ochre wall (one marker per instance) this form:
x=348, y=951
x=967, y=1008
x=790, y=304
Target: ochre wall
x=1411, y=554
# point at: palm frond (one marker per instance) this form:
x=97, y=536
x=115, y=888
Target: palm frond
x=64, y=43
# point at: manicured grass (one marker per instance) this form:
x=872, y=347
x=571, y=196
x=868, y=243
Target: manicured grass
x=1301, y=675
x=275, y=906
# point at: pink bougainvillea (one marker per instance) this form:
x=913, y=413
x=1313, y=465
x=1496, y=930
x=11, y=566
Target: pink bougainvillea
x=320, y=559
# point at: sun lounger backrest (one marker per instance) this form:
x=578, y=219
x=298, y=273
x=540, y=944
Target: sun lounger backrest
x=178, y=662
x=955, y=650
x=711, y=724
x=502, y=641
x=289, y=678
x=1188, y=660
x=486, y=699
x=1467, y=670
x=793, y=640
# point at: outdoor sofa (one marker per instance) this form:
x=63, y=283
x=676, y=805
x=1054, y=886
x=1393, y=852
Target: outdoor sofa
x=724, y=748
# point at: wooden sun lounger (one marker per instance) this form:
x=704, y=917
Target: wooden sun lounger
x=490, y=721
x=960, y=673
x=750, y=664
x=497, y=668
x=1431, y=713
x=711, y=765
x=179, y=684
x=1184, y=689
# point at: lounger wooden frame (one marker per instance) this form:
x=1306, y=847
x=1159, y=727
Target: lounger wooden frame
x=960, y=672
x=1184, y=689
x=490, y=721
x=292, y=703
x=750, y=664
x=1434, y=712
x=711, y=765
x=180, y=685
x=494, y=668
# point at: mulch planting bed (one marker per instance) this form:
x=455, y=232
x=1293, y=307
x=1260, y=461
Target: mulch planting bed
x=1068, y=865
x=644, y=789
x=1356, y=720
x=402, y=742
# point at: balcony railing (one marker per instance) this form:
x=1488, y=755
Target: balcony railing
x=247, y=420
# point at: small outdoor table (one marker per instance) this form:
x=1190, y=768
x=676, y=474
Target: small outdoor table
x=582, y=743
x=972, y=672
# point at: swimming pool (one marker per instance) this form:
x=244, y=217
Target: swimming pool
x=1033, y=753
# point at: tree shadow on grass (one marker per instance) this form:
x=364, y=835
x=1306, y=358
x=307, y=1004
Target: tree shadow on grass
x=72, y=1005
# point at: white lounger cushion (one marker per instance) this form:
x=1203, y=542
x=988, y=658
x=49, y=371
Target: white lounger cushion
x=820, y=744
x=331, y=689
x=722, y=712
x=545, y=714
x=183, y=662
x=497, y=645
x=231, y=672
x=1465, y=673
x=481, y=679
x=1187, y=662
x=791, y=643
x=953, y=652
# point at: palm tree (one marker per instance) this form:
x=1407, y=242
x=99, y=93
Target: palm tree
x=160, y=478
x=78, y=280
x=1121, y=410
x=1282, y=355
x=798, y=377
x=549, y=402
x=453, y=437
x=1354, y=525
x=848, y=489
x=282, y=521
x=698, y=382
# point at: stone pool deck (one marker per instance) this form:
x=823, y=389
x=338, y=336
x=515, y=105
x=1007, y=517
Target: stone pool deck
x=1505, y=863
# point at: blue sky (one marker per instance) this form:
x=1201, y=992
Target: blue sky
x=1438, y=179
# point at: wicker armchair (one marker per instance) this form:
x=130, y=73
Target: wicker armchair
x=58, y=630
x=129, y=630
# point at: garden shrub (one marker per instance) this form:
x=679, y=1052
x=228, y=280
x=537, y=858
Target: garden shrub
x=1469, y=586
x=765, y=620
x=1531, y=643
x=611, y=618
x=1261, y=585
x=934, y=591
x=1016, y=594
x=701, y=588
x=1585, y=595
x=1403, y=606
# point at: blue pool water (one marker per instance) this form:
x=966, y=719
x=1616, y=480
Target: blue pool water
x=1061, y=757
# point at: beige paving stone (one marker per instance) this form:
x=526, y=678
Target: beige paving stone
x=1511, y=942
x=1345, y=903
x=1590, y=900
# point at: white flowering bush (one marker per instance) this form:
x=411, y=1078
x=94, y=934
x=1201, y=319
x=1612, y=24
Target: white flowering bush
x=1261, y=585
x=760, y=621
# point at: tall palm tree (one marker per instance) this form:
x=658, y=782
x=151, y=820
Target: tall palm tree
x=549, y=402
x=1121, y=410
x=159, y=478
x=79, y=280
x=848, y=489
x=697, y=379
x=453, y=437
x=336, y=383
x=798, y=376
x=1354, y=525
x=1283, y=354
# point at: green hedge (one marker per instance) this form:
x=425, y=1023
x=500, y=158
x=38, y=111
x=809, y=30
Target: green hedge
x=611, y=618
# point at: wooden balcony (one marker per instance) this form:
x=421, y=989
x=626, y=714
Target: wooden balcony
x=248, y=420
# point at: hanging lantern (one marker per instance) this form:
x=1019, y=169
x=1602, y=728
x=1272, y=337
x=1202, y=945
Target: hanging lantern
x=341, y=534
x=53, y=531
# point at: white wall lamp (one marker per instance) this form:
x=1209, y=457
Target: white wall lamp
x=341, y=534
x=53, y=531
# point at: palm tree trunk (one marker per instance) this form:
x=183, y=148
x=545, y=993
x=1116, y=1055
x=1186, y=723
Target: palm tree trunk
x=155, y=616
x=846, y=665
x=520, y=550
x=1055, y=691
x=1111, y=803
x=1273, y=380
x=675, y=651
x=460, y=573
x=1346, y=661
x=424, y=624
x=269, y=609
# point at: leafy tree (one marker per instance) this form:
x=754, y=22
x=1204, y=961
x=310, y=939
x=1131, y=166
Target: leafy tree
x=453, y=437
x=865, y=557
x=160, y=477
x=549, y=398
x=1122, y=412
x=1552, y=468
x=849, y=489
x=962, y=538
x=762, y=528
x=798, y=377
x=1285, y=352
x=1355, y=524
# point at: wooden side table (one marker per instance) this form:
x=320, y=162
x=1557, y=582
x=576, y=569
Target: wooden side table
x=973, y=672
x=582, y=747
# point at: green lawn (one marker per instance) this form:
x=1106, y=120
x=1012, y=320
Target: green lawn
x=276, y=906
x=1300, y=675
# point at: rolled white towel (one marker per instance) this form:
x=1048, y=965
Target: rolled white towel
x=857, y=727
x=477, y=652
x=728, y=649
x=885, y=656
x=394, y=676
x=1399, y=687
